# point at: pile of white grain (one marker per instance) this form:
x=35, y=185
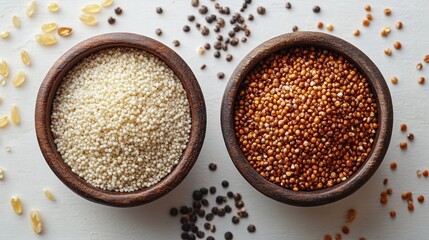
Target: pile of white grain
x=121, y=119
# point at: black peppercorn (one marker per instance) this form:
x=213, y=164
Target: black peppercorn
x=316, y=9
x=203, y=9
x=111, y=20
x=197, y=195
x=210, y=238
x=221, y=75
x=183, y=210
x=205, y=31
x=200, y=234
x=191, y=18
x=234, y=41
x=118, y=11
x=205, y=202
x=159, y=10
x=239, y=204
x=228, y=209
x=228, y=236
x=217, y=54
x=176, y=43
x=251, y=228
x=295, y=28
x=212, y=190
x=237, y=197
x=209, y=217
x=207, y=226
x=225, y=183
x=261, y=10
x=219, y=199
x=213, y=166
x=235, y=219
x=215, y=210
x=186, y=28
x=221, y=212
x=184, y=236
x=186, y=227
x=158, y=32
x=288, y=5
x=195, y=3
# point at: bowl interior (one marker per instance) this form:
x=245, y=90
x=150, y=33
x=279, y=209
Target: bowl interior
x=53, y=81
x=381, y=141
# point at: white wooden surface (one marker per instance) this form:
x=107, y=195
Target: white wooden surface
x=72, y=217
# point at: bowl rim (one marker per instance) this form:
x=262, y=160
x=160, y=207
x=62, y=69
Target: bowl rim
x=43, y=110
x=381, y=140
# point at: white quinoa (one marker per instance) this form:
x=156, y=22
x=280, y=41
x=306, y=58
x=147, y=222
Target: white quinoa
x=121, y=119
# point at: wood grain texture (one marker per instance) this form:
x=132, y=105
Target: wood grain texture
x=43, y=112
x=381, y=141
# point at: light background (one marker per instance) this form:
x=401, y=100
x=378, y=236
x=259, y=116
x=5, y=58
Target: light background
x=72, y=217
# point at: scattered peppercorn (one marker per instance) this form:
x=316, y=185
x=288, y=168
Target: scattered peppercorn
x=410, y=136
x=219, y=199
x=111, y=20
x=330, y=27
x=159, y=10
x=393, y=165
x=295, y=28
x=387, y=12
x=288, y=5
x=403, y=127
x=158, y=32
x=203, y=10
x=327, y=237
x=425, y=173
x=251, y=228
x=419, y=66
x=403, y=145
x=410, y=207
x=191, y=18
x=176, y=43
x=316, y=9
x=186, y=28
x=351, y=215
x=394, y=80
x=345, y=230
x=368, y=8
x=369, y=16
x=203, y=67
x=195, y=3
x=320, y=25
x=212, y=166
x=261, y=10
x=229, y=57
x=426, y=59
x=221, y=75
x=393, y=214
x=118, y=11
x=421, y=80
x=212, y=190
x=420, y=198
x=228, y=236
x=389, y=191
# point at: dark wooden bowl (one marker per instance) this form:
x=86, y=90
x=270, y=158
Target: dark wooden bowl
x=43, y=112
x=381, y=141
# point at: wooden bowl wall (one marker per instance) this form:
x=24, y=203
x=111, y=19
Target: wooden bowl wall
x=381, y=141
x=47, y=94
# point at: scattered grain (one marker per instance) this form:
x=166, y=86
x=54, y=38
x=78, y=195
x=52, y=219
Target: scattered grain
x=345, y=230
x=64, y=31
x=330, y=27
x=404, y=127
x=4, y=68
x=25, y=58
x=31, y=8
x=106, y=3
x=425, y=173
x=4, y=121
x=419, y=66
x=15, y=115
x=91, y=8
x=201, y=50
x=53, y=7
x=399, y=25
x=385, y=181
x=327, y=237
x=356, y=33
x=16, y=205
x=420, y=198
x=365, y=22
x=369, y=16
x=16, y=21
x=36, y=222
x=351, y=215
x=19, y=79
x=403, y=145
x=1, y=173
x=419, y=173
x=49, y=27
x=387, y=12
x=5, y=34
x=426, y=59
x=393, y=165
x=410, y=207
x=397, y=45
x=48, y=194
x=392, y=214
x=320, y=25
x=421, y=80
x=388, y=51
x=394, y=80
x=88, y=19
x=367, y=8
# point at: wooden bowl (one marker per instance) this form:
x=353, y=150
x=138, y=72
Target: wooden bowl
x=49, y=88
x=381, y=141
